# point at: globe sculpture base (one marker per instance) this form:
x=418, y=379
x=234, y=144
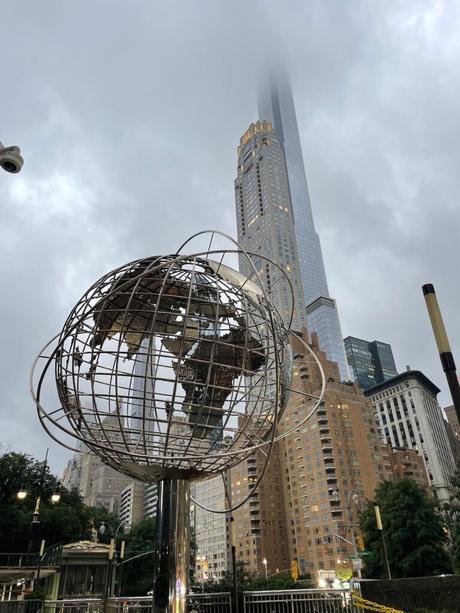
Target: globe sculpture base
x=172, y=560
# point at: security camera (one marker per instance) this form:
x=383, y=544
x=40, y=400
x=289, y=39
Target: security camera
x=10, y=158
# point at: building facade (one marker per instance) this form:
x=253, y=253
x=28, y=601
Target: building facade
x=212, y=531
x=453, y=420
x=411, y=417
x=260, y=530
x=150, y=499
x=453, y=432
x=131, y=505
x=317, y=480
x=406, y=464
x=265, y=221
x=276, y=104
x=330, y=467
x=370, y=362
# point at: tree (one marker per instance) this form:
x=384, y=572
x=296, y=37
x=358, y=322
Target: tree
x=453, y=517
x=248, y=581
x=67, y=521
x=138, y=573
x=413, y=528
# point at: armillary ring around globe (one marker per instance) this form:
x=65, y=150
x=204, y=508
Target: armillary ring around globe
x=171, y=364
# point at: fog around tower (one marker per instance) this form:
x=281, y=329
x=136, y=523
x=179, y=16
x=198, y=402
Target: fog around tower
x=129, y=116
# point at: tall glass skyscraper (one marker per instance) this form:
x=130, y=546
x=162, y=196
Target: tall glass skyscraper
x=265, y=220
x=371, y=362
x=276, y=104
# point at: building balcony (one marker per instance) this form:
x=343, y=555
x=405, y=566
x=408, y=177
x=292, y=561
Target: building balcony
x=324, y=430
x=326, y=448
x=329, y=469
x=328, y=458
x=336, y=512
x=331, y=480
x=322, y=420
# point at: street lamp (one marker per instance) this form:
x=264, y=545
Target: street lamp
x=103, y=528
x=265, y=562
x=112, y=550
x=22, y=495
x=351, y=496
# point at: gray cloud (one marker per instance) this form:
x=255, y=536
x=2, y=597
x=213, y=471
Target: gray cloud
x=129, y=115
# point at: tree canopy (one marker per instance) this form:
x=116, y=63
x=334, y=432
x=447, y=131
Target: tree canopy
x=67, y=521
x=413, y=528
x=138, y=573
x=453, y=516
x=249, y=581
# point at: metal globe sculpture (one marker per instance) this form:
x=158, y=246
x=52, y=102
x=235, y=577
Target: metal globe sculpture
x=169, y=368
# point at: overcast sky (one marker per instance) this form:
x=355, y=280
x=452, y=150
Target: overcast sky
x=129, y=114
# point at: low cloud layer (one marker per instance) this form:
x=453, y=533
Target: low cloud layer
x=129, y=114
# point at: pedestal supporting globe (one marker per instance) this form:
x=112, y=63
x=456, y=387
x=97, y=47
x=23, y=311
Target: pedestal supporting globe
x=172, y=560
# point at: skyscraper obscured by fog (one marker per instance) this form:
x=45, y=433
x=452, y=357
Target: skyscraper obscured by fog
x=276, y=104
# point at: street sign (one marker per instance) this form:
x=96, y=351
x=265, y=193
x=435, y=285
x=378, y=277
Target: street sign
x=363, y=554
x=357, y=564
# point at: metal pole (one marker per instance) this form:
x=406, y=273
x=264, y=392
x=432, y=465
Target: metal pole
x=171, y=569
x=232, y=541
x=120, y=573
x=355, y=551
x=442, y=342
x=385, y=553
x=40, y=555
x=234, y=577
x=351, y=494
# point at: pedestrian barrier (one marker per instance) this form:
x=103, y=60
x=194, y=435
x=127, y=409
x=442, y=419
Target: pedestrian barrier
x=369, y=605
x=269, y=601
x=299, y=601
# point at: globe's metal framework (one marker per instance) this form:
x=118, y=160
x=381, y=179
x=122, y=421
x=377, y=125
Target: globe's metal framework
x=170, y=368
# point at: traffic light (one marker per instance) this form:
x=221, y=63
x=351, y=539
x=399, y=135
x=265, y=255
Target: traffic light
x=295, y=569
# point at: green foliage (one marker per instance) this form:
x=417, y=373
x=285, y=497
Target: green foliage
x=67, y=521
x=453, y=516
x=413, y=529
x=193, y=552
x=138, y=573
x=248, y=581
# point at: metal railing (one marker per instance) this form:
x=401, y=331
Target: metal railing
x=21, y=606
x=18, y=560
x=270, y=601
x=298, y=601
x=50, y=558
x=219, y=602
